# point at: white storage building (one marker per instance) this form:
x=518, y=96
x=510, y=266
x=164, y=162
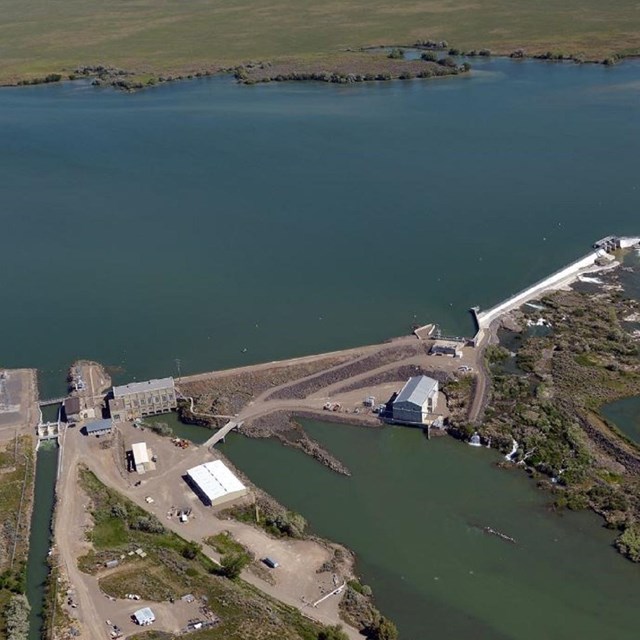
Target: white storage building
x=215, y=483
x=416, y=400
x=140, y=456
x=144, y=616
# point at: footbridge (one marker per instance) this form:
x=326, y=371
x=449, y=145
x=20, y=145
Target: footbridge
x=49, y=401
x=222, y=432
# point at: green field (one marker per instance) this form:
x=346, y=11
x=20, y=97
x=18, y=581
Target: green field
x=182, y=36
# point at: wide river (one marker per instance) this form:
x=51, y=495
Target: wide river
x=200, y=219
x=219, y=225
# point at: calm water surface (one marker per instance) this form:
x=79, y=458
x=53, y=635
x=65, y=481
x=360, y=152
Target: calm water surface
x=199, y=219
x=412, y=510
x=39, y=539
x=625, y=414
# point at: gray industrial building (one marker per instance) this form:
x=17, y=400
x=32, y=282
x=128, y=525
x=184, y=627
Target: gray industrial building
x=416, y=400
x=446, y=348
x=99, y=427
x=140, y=399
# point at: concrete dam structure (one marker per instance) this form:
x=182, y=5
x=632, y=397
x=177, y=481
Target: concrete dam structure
x=561, y=278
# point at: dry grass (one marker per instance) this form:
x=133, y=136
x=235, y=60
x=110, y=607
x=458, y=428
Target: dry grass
x=163, y=36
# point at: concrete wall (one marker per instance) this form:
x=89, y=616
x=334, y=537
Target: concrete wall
x=408, y=412
x=563, y=277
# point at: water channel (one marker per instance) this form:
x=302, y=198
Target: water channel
x=40, y=537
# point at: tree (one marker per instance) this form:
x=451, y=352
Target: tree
x=382, y=629
x=333, y=633
x=232, y=564
x=191, y=550
x=629, y=542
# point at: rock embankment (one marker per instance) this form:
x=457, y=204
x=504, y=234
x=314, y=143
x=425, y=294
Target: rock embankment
x=399, y=374
x=282, y=426
x=306, y=387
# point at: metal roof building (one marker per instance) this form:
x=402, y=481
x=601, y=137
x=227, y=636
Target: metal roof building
x=139, y=399
x=99, y=427
x=142, y=387
x=215, y=483
x=416, y=400
x=140, y=456
x=144, y=616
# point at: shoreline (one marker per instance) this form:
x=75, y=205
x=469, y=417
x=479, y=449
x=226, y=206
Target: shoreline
x=302, y=70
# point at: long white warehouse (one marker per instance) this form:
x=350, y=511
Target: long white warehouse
x=215, y=483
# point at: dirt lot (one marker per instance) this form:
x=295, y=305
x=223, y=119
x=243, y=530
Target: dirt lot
x=295, y=582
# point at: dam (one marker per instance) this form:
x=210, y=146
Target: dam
x=598, y=259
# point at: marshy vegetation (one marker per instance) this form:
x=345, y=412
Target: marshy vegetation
x=550, y=406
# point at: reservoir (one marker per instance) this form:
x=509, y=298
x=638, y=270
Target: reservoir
x=221, y=224
x=413, y=511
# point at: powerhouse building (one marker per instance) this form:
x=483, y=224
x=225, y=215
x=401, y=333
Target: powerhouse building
x=416, y=400
x=140, y=399
x=215, y=483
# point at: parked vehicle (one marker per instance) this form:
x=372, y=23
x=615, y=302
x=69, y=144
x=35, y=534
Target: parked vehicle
x=271, y=563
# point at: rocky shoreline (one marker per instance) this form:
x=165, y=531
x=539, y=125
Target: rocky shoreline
x=283, y=427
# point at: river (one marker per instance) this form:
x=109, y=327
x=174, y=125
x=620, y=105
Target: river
x=413, y=511
x=220, y=225
x=195, y=220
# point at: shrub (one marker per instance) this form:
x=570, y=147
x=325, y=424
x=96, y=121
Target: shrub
x=149, y=524
x=381, y=629
x=232, y=564
x=333, y=633
x=17, y=618
x=628, y=542
x=396, y=54
x=191, y=550
x=429, y=56
x=119, y=511
x=161, y=428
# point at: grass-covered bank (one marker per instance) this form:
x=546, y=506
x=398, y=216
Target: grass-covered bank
x=158, y=37
x=173, y=567
x=17, y=472
x=547, y=398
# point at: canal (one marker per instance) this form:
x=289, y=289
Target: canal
x=40, y=537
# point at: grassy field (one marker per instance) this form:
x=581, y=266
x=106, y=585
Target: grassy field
x=164, y=36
